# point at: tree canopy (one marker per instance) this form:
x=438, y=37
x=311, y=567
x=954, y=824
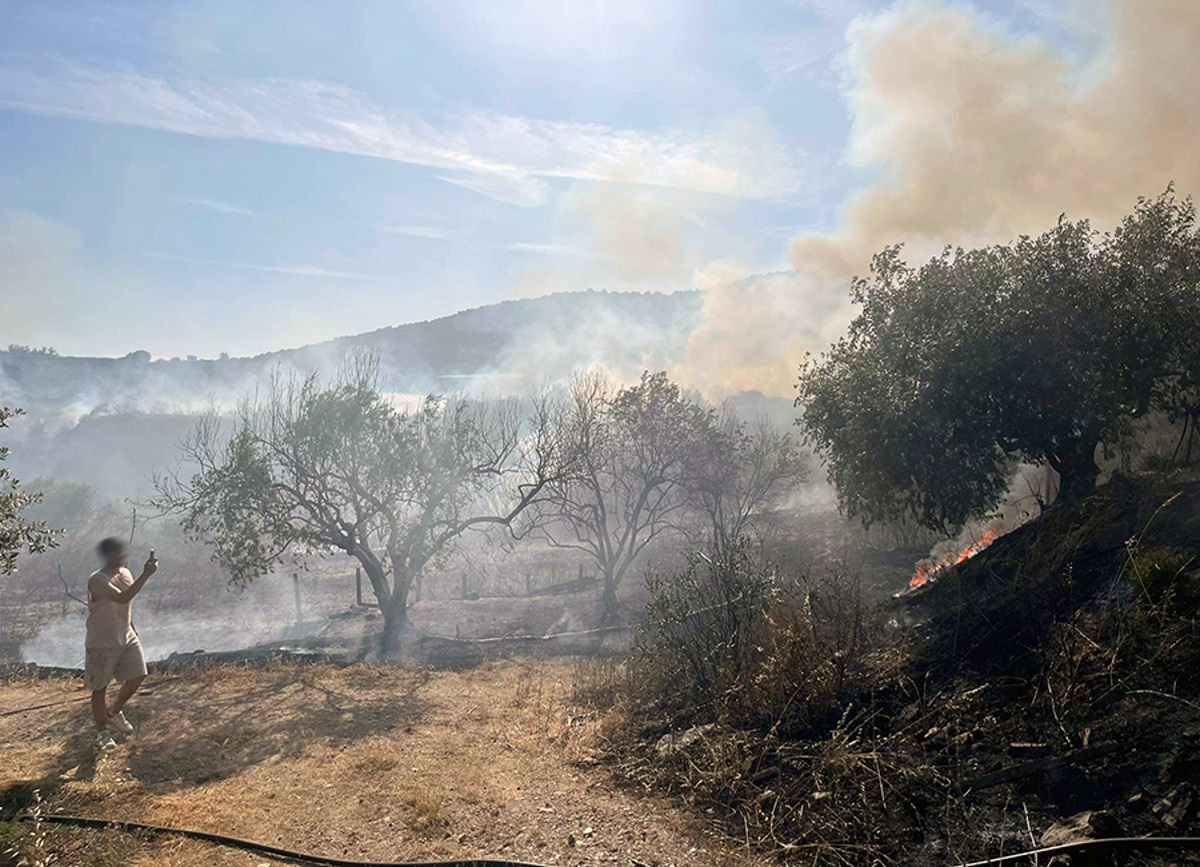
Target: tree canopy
x=1037, y=351
x=629, y=462
x=739, y=472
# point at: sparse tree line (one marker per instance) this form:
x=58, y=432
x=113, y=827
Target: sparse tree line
x=602, y=469
x=23, y=349
x=313, y=465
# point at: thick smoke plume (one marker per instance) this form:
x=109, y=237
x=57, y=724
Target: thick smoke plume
x=974, y=135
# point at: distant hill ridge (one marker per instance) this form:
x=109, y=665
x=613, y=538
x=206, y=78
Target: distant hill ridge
x=545, y=337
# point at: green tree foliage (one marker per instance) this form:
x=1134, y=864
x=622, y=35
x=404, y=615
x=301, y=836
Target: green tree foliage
x=17, y=533
x=338, y=466
x=1038, y=351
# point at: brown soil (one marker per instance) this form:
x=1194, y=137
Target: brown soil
x=377, y=763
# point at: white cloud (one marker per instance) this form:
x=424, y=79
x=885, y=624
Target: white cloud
x=523, y=191
x=541, y=249
x=432, y=233
x=217, y=207
x=297, y=270
x=805, y=53
x=502, y=156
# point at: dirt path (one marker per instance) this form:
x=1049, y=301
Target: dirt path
x=377, y=763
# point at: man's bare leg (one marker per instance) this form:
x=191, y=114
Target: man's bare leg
x=100, y=709
x=128, y=688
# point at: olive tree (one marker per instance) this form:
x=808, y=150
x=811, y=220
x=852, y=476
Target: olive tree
x=1036, y=351
x=741, y=471
x=339, y=466
x=630, y=456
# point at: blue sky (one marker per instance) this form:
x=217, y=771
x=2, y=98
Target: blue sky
x=200, y=177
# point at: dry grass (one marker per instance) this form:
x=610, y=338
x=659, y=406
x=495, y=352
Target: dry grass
x=374, y=762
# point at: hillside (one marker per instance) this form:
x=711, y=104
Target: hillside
x=1042, y=692
x=528, y=338
x=109, y=422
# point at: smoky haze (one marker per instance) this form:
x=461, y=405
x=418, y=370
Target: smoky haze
x=111, y=421
x=969, y=133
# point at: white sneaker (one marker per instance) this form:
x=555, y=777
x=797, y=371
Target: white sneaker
x=117, y=721
x=104, y=741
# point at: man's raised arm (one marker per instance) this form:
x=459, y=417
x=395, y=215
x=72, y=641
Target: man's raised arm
x=102, y=588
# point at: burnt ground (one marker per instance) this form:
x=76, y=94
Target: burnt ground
x=1055, y=674
x=357, y=761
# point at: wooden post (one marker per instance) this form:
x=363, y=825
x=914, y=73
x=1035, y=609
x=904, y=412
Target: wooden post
x=464, y=585
x=581, y=572
x=358, y=586
x=528, y=584
x=296, y=588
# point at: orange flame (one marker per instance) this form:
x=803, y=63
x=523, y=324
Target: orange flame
x=929, y=568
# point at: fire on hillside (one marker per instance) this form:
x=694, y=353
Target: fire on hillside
x=927, y=569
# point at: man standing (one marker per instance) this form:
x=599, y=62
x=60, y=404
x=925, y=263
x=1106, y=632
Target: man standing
x=112, y=648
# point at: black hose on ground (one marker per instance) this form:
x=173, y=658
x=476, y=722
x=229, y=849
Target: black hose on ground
x=1105, y=844
x=44, y=706
x=145, y=693
x=1124, y=844
x=266, y=848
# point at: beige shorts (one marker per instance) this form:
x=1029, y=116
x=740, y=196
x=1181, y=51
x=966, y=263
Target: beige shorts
x=102, y=665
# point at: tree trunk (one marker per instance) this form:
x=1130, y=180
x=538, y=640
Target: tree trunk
x=1077, y=471
x=610, y=614
x=395, y=613
x=395, y=622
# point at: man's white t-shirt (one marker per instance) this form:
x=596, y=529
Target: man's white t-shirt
x=109, y=623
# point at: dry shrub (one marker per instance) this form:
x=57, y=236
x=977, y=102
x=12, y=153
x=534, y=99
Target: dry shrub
x=599, y=683
x=817, y=646
x=1143, y=640
x=428, y=809
x=729, y=639
x=856, y=795
x=768, y=687
x=698, y=636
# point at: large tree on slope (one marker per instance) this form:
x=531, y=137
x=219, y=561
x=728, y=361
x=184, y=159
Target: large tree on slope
x=1036, y=351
